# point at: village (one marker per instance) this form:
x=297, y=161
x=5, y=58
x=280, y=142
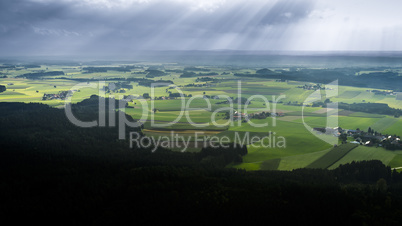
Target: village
x=370, y=138
x=382, y=92
x=246, y=117
x=62, y=95
x=311, y=87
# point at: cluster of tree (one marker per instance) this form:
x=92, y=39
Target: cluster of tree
x=117, y=87
x=174, y=70
x=195, y=69
x=159, y=83
x=209, y=74
x=197, y=85
x=345, y=76
x=236, y=100
x=152, y=73
x=157, y=67
x=343, y=137
x=106, y=69
x=106, y=79
x=242, y=100
x=140, y=81
x=297, y=103
x=206, y=79
x=227, y=101
x=384, y=80
x=262, y=115
x=374, y=108
x=124, y=85
x=189, y=74
x=372, y=132
x=2, y=67
x=31, y=66
x=146, y=96
x=139, y=73
x=2, y=88
x=264, y=71
x=314, y=104
x=40, y=74
x=53, y=170
x=176, y=95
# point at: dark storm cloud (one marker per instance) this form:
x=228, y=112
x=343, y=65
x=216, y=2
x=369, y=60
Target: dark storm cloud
x=43, y=26
x=22, y=13
x=105, y=26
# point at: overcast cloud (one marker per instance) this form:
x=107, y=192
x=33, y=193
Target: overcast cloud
x=73, y=27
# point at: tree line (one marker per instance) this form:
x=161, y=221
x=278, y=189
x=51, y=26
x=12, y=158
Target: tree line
x=106, y=69
x=37, y=75
x=345, y=76
x=374, y=108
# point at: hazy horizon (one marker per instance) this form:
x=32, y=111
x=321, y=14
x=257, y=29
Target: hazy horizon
x=236, y=58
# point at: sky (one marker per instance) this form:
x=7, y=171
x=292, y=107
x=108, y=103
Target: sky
x=103, y=27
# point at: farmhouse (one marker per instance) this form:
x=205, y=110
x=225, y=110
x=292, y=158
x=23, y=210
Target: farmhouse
x=328, y=131
x=279, y=114
x=240, y=116
x=62, y=95
x=333, y=131
x=352, y=132
x=368, y=143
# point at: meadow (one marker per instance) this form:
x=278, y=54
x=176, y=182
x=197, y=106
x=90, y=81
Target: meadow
x=303, y=148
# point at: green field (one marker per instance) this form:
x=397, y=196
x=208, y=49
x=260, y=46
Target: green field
x=396, y=162
x=349, y=94
x=303, y=148
x=346, y=122
x=365, y=153
x=298, y=141
x=383, y=124
x=300, y=161
x=332, y=156
x=394, y=128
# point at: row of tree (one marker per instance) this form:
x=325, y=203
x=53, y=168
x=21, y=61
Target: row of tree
x=106, y=69
x=374, y=108
x=38, y=75
x=345, y=76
